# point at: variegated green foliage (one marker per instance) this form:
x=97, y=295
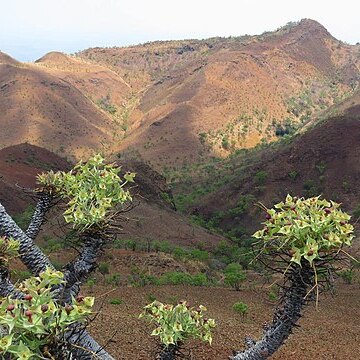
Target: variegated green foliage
x=306, y=228
x=8, y=249
x=31, y=325
x=92, y=189
x=175, y=324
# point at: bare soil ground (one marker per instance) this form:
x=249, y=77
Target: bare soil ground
x=331, y=332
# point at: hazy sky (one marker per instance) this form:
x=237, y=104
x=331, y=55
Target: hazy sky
x=31, y=28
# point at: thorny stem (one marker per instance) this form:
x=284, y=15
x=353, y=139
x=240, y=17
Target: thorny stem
x=299, y=278
x=36, y=261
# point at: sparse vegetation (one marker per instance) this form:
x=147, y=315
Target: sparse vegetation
x=240, y=308
x=40, y=316
x=105, y=104
x=347, y=275
x=234, y=276
x=116, y=301
x=244, y=146
x=176, y=324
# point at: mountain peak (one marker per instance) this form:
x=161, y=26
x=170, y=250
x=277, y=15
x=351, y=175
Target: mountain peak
x=312, y=27
x=53, y=57
x=6, y=59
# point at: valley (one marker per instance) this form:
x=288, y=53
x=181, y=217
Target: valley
x=217, y=131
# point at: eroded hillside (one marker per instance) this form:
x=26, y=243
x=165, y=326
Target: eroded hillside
x=322, y=161
x=209, y=97
x=176, y=102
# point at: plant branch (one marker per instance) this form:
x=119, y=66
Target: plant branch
x=31, y=255
x=38, y=217
x=78, y=270
x=300, y=278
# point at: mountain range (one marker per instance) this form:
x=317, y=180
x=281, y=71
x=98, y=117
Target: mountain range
x=280, y=109
x=177, y=102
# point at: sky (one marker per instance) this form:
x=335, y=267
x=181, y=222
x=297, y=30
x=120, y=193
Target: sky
x=31, y=28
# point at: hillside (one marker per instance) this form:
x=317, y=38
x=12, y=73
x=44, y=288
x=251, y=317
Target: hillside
x=47, y=111
x=153, y=217
x=60, y=103
x=6, y=59
x=323, y=160
x=177, y=102
x=200, y=98
x=19, y=165
x=107, y=90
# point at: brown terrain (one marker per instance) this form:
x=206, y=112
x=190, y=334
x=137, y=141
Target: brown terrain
x=153, y=217
x=53, y=108
x=178, y=102
x=19, y=165
x=175, y=102
x=208, y=97
x=331, y=332
x=324, y=160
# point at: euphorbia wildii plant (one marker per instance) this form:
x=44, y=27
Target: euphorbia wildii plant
x=305, y=228
x=44, y=306
x=92, y=189
x=176, y=324
x=33, y=325
x=301, y=239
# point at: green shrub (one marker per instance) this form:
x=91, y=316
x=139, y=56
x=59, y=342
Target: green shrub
x=91, y=283
x=116, y=301
x=104, y=268
x=202, y=137
x=130, y=244
x=225, y=143
x=175, y=278
x=347, y=275
x=240, y=308
x=162, y=246
x=199, y=279
x=234, y=276
x=21, y=275
x=242, y=206
x=52, y=245
x=273, y=296
x=226, y=252
x=113, y=279
x=139, y=278
x=23, y=219
x=260, y=177
x=293, y=174
x=198, y=254
x=180, y=253
x=118, y=244
x=311, y=189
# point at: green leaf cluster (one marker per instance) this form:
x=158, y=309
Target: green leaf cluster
x=175, y=324
x=92, y=190
x=9, y=248
x=306, y=228
x=32, y=325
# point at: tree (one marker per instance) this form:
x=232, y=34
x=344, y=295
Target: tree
x=234, y=276
x=94, y=195
x=301, y=239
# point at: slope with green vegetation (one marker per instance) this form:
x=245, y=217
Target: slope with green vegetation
x=222, y=195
